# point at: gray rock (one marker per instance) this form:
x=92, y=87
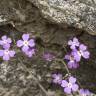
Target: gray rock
x=14, y=79
x=77, y=13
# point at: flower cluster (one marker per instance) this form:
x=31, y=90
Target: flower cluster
x=69, y=85
x=78, y=50
x=5, y=52
x=26, y=44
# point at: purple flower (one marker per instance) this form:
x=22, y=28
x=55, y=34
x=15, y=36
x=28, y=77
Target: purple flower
x=82, y=52
x=30, y=52
x=48, y=56
x=5, y=42
x=84, y=92
x=70, y=86
x=6, y=54
x=57, y=78
x=71, y=62
x=73, y=44
x=26, y=43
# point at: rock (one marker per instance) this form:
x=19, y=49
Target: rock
x=76, y=13
x=16, y=81
x=26, y=17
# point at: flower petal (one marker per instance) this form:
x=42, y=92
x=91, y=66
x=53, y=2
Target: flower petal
x=25, y=36
x=75, y=39
x=54, y=75
x=70, y=42
x=6, y=57
x=19, y=43
x=12, y=53
x=67, y=57
x=4, y=37
x=70, y=64
x=87, y=92
x=75, y=87
x=82, y=47
x=73, y=46
x=25, y=48
x=76, y=55
x=67, y=90
x=30, y=53
x=76, y=65
x=57, y=78
x=86, y=54
x=82, y=91
x=73, y=65
x=57, y=81
x=31, y=43
x=64, y=83
x=1, y=52
x=48, y=56
x=77, y=58
x=1, y=42
x=6, y=46
x=72, y=79
x=9, y=40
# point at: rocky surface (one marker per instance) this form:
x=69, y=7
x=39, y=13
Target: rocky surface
x=52, y=24
x=77, y=13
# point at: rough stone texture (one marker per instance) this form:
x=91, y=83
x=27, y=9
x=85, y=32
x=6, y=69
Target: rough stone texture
x=77, y=13
x=15, y=80
x=21, y=16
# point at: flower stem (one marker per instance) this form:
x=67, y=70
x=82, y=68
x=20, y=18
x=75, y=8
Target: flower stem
x=60, y=60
